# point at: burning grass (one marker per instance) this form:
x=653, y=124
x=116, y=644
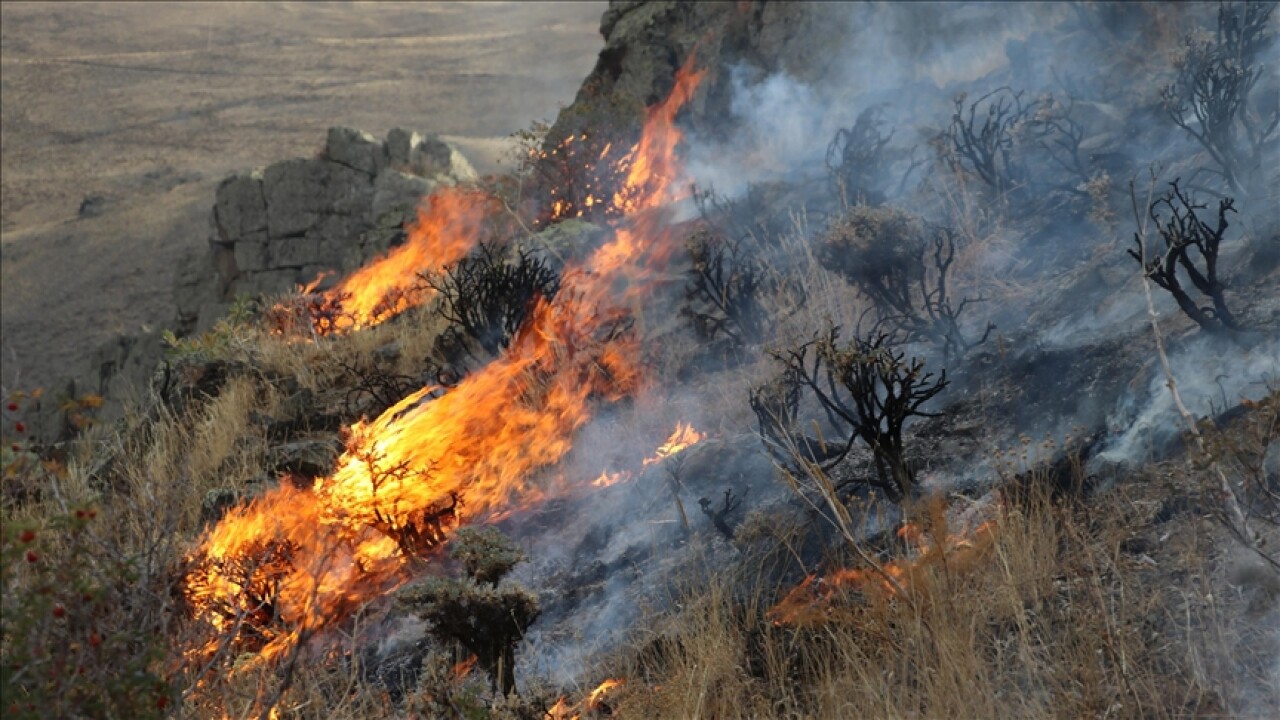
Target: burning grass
x=1096, y=609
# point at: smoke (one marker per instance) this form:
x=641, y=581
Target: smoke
x=1212, y=376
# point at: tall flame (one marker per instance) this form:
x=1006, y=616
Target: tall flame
x=298, y=560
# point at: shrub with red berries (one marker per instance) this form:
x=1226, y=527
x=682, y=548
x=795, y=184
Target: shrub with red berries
x=65, y=651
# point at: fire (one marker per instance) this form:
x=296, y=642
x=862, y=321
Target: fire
x=462, y=668
x=296, y=561
x=594, y=701
x=810, y=602
x=680, y=440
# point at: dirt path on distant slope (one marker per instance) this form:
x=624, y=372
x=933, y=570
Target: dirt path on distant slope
x=144, y=107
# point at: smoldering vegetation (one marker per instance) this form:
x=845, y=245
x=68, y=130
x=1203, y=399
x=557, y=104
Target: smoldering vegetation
x=982, y=341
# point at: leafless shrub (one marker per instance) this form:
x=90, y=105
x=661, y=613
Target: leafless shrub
x=861, y=162
x=1210, y=98
x=903, y=267
x=486, y=297
x=865, y=388
x=1183, y=231
x=982, y=138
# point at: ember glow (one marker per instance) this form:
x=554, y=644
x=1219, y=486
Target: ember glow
x=812, y=601
x=296, y=561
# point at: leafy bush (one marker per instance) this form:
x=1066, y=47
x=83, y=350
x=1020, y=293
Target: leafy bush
x=66, y=650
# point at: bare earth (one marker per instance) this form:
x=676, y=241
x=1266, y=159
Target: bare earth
x=146, y=106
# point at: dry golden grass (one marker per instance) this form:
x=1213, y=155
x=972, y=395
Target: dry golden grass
x=1053, y=620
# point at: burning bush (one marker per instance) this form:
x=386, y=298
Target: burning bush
x=902, y=266
x=473, y=611
x=1183, y=232
x=865, y=388
x=485, y=298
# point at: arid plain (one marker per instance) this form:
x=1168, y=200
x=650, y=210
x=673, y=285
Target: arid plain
x=119, y=119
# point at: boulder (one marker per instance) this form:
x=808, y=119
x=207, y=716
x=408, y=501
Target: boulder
x=356, y=150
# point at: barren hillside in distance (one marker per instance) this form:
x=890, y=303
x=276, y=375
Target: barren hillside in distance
x=119, y=119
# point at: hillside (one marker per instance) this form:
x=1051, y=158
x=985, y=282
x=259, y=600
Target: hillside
x=819, y=360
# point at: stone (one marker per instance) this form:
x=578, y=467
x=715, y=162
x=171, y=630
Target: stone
x=309, y=458
x=355, y=149
x=240, y=208
x=299, y=191
x=396, y=196
x=400, y=143
x=294, y=252
x=251, y=253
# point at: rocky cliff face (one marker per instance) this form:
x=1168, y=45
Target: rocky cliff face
x=283, y=225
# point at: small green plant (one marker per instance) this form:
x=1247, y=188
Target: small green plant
x=474, y=611
x=63, y=650
x=219, y=340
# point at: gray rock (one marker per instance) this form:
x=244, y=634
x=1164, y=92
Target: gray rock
x=435, y=159
x=294, y=252
x=400, y=143
x=299, y=191
x=396, y=196
x=251, y=253
x=309, y=458
x=239, y=209
x=356, y=150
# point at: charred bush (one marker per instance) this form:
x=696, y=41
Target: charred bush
x=1192, y=245
x=722, y=298
x=983, y=137
x=473, y=610
x=866, y=389
x=1210, y=97
x=729, y=280
x=485, y=298
x=857, y=159
x=903, y=266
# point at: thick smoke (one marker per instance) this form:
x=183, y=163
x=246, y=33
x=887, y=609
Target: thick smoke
x=913, y=60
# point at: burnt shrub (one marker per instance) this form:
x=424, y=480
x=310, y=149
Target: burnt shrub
x=485, y=297
x=903, y=266
x=1191, y=248
x=866, y=389
x=1212, y=95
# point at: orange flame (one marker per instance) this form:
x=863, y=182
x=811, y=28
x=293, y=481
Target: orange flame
x=680, y=440
x=296, y=561
x=462, y=668
x=594, y=701
x=810, y=602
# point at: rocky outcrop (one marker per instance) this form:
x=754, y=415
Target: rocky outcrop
x=286, y=224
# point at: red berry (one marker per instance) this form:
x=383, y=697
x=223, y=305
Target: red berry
x=27, y=536
x=59, y=611
x=162, y=702
x=95, y=639
x=20, y=427
x=13, y=407
x=91, y=513
x=32, y=556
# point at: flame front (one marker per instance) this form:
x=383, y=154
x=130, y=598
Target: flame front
x=810, y=602
x=298, y=560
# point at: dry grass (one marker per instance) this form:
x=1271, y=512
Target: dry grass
x=1058, y=617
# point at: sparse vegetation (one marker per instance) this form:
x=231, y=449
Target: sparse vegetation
x=903, y=267
x=1192, y=246
x=866, y=389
